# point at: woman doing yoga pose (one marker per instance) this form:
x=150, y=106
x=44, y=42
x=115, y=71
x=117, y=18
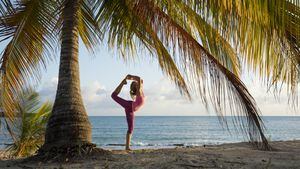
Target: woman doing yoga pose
x=130, y=106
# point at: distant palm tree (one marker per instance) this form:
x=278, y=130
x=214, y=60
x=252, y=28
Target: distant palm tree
x=199, y=45
x=31, y=123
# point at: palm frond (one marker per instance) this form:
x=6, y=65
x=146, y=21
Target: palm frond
x=165, y=60
x=266, y=33
x=27, y=27
x=210, y=38
x=202, y=72
x=88, y=27
x=30, y=129
x=129, y=32
x=222, y=86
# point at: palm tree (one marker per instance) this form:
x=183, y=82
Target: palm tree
x=31, y=124
x=198, y=46
x=33, y=28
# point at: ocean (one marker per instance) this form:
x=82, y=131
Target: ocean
x=165, y=131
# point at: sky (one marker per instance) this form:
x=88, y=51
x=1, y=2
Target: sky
x=102, y=71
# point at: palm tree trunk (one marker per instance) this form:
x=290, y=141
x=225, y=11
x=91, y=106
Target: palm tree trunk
x=68, y=124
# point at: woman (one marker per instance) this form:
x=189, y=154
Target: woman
x=137, y=95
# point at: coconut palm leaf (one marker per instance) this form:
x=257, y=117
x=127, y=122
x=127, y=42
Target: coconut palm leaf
x=129, y=25
x=88, y=27
x=266, y=33
x=27, y=28
x=209, y=37
x=202, y=65
x=30, y=126
x=203, y=72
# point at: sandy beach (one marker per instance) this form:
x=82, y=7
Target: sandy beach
x=235, y=155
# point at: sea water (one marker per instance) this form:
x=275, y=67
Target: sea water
x=165, y=131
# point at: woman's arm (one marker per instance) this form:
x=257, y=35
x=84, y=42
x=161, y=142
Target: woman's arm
x=114, y=95
x=139, y=101
x=119, y=88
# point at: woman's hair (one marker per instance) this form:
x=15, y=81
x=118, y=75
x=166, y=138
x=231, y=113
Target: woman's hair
x=133, y=89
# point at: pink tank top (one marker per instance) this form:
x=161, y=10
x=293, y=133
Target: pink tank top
x=139, y=102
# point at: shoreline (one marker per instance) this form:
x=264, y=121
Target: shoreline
x=230, y=155
x=118, y=146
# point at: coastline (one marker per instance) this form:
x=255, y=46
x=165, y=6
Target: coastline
x=232, y=155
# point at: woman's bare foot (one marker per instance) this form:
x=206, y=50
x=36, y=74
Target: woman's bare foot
x=128, y=149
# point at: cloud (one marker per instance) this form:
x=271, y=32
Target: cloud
x=95, y=96
x=48, y=89
x=269, y=101
x=162, y=98
x=97, y=99
x=100, y=91
x=94, y=92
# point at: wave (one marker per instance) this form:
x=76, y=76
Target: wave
x=141, y=144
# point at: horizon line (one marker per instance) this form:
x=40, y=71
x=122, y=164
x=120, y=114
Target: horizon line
x=189, y=116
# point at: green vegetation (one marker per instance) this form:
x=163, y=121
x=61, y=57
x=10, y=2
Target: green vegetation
x=29, y=130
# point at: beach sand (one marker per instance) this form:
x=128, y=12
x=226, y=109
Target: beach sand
x=235, y=155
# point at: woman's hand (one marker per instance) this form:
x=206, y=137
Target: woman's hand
x=137, y=79
x=128, y=77
x=132, y=77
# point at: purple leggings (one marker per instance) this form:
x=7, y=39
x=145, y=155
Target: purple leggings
x=130, y=107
